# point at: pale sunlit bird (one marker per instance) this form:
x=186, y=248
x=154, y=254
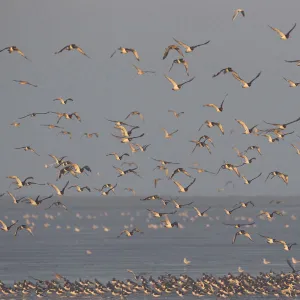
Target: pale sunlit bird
x=238, y=11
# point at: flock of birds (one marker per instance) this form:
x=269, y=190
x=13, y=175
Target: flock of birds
x=265, y=284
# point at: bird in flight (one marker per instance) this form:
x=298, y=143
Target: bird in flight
x=181, y=61
x=72, y=47
x=28, y=148
x=210, y=124
x=245, y=127
x=23, y=82
x=117, y=157
x=281, y=34
x=177, y=86
x=169, y=135
x=236, y=12
x=58, y=191
x=223, y=71
x=135, y=113
x=126, y=51
x=243, y=82
x=172, y=47
x=292, y=84
x=142, y=72
x=297, y=61
x=184, y=189
x=130, y=233
x=35, y=114
x=241, y=232
x=246, y=181
x=201, y=214
x=12, y=49
x=283, y=125
x=176, y=114
x=188, y=48
x=62, y=101
x=23, y=227
x=283, y=177
x=218, y=109
x=6, y=228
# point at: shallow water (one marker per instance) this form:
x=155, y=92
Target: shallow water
x=206, y=242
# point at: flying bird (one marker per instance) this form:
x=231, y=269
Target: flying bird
x=281, y=34
x=294, y=61
x=241, y=232
x=62, y=101
x=201, y=214
x=246, y=181
x=35, y=114
x=218, y=109
x=12, y=49
x=188, y=48
x=72, y=47
x=181, y=61
x=23, y=227
x=6, y=228
x=184, y=189
x=142, y=72
x=176, y=114
x=177, y=86
x=223, y=71
x=292, y=84
x=236, y=12
x=23, y=82
x=126, y=51
x=282, y=176
x=28, y=148
x=169, y=135
x=243, y=82
x=172, y=47
x=58, y=191
x=135, y=113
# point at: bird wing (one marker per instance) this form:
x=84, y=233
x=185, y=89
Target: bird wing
x=234, y=238
x=181, y=188
x=113, y=54
x=193, y=47
x=4, y=49
x=237, y=77
x=197, y=210
x=186, y=81
x=280, y=33
x=236, y=12
x=190, y=185
x=222, y=71
x=166, y=52
x=171, y=69
x=55, y=187
x=3, y=224
x=255, y=77
x=167, y=220
x=220, y=127
x=291, y=30
x=243, y=124
x=211, y=105
x=181, y=43
x=64, y=48
x=136, y=54
x=82, y=52
x=172, y=81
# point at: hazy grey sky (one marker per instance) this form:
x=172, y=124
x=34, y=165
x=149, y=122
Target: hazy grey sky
x=103, y=87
